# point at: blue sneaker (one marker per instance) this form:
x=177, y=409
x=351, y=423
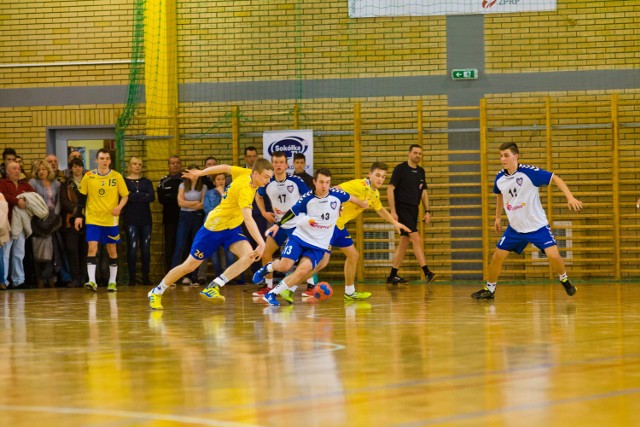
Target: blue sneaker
x=271, y=298
x=258, y=276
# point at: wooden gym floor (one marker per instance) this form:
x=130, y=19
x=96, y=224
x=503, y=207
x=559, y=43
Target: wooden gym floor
x=410, y=356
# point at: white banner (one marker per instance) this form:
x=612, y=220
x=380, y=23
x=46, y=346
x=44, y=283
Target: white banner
x=375, y=8
x=290, y=142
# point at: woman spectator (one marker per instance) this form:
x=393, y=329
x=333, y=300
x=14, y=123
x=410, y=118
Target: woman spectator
x=45, y=184
x=137, y=221
x=75, y=242
x=191, y=201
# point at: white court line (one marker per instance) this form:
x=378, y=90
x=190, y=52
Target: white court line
x=126, y=414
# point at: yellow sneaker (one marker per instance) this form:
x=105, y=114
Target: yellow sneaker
x=287, y=295
x=112, y=287
x=155, y=301
x=91, y=286
x=357, y=296
x=212, y=294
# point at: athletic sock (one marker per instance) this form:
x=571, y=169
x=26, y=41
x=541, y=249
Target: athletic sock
x=282, y=286
x=349, y=289
x=221, y=280
x=159, y=290
x=426, y=270
x=563, y=276
x=394, y=272
x=113, y=270
x=91, y=268
x=491, y=287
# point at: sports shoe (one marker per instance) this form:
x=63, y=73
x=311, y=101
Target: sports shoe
x=287, y=295
x=430, y=277
x=262, y=291
x=394, y=280
x=112, y=287
x=309, y=292
x=155, y=301
x=568, y=287
x=91, y=286
x=260, y=274
x=357, y=296
x=212, y=294
x=271, y=298
x=483, y=293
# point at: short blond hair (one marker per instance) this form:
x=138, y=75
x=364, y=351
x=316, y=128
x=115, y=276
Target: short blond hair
x=51, y=175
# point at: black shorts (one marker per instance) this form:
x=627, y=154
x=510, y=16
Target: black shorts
x=407, y=215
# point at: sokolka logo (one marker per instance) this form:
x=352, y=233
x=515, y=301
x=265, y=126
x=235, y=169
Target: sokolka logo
x=289, y=145
x=488, y=3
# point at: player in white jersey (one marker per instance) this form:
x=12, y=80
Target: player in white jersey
x=283, y=191
x=516, y=188
x=317, y=213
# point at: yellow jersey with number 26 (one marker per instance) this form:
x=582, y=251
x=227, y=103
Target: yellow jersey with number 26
x=238, y=195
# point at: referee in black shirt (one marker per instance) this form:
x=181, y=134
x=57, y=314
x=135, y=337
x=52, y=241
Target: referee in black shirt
x=405, y=192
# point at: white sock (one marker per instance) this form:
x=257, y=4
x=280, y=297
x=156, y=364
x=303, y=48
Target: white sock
x=269, y=268
x=563, y=276
x=269, y=282
x=159, y=290
x=113, y=273
x=91, y=272
x=349, y=289
x=293, y=288
x=310, y=281
x=491, y=287
x=221, y=280
x=282, y=286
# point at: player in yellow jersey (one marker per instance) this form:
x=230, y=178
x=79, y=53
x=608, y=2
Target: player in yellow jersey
x=222, y=228
x=366, y=189
x=105, y=194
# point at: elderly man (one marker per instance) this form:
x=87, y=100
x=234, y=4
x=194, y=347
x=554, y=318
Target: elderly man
x=13, y=250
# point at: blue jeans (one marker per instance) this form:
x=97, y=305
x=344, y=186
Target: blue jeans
x=138, y=235
x=13, y=256
x=188, y=225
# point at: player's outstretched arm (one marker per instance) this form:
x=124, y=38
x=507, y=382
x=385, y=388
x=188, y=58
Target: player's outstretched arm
x=253, y=229
x=211, y=170
x=572, y=202
x=384, y=214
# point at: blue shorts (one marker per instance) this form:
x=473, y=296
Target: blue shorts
x=296, y=249
x=341, y=238
x=282, y=235
x=103, y=234
x=207, y=242
x=513, y=241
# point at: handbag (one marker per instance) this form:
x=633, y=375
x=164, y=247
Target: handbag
x=42, y=248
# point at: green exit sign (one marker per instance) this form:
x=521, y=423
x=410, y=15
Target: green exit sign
x=464, y=74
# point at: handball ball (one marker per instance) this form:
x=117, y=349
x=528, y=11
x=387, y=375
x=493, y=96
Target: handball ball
x=322, y=291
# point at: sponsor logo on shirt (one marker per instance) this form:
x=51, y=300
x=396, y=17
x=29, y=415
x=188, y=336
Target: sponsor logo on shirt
x=314, y=224
x=512, y=208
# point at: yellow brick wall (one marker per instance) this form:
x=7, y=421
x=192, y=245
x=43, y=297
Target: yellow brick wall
x=273, y=40
x=45, y=31
x=580, y=35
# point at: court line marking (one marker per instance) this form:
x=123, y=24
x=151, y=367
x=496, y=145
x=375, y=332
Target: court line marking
x=126, y=414
x=519, y=408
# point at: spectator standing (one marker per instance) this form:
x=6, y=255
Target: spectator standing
x=168, y=197
x=191, y=201
x=74, y=240
x=8, y=155
x=13, y=250
x=137, y=220
x=5, y=236
x=299, y=169
x=45, y=184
